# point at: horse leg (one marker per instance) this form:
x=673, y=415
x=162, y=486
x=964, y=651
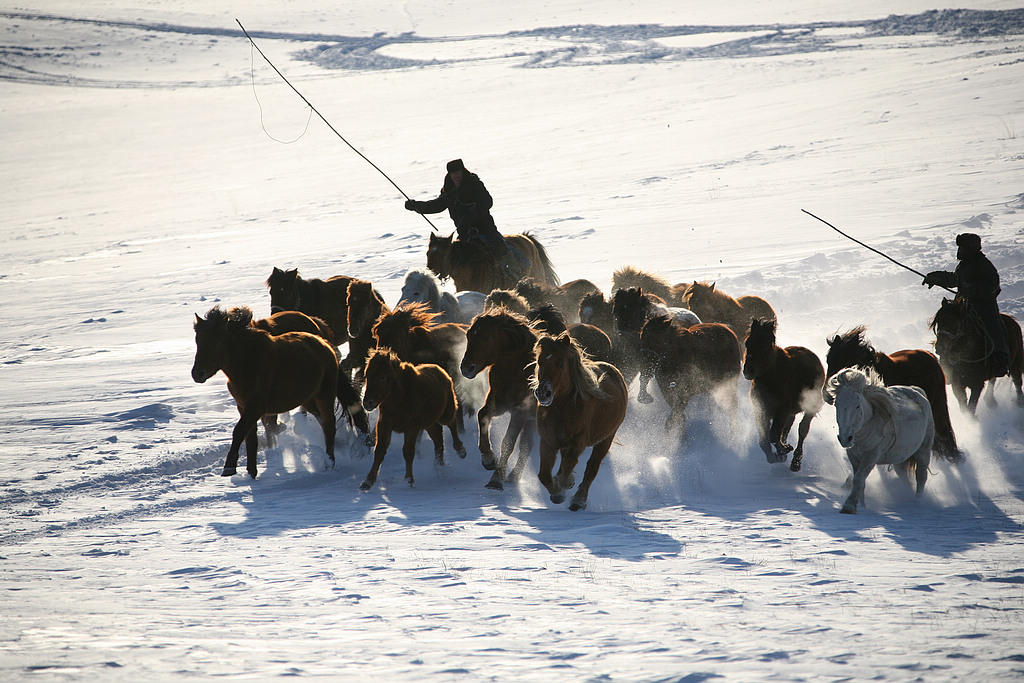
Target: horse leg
x=483, y=421
x=990, y=394
x=271, y=427
x=802, y=430
x=379, y=451
x=763, y=423
x=782, y=438
x=328, y=423
x=861, y=469
x=244, y=431
x=409, y=448
x=972, y=402
x=922, y=458
x=565, y=479
x=525, y=447
x=508, y=443
x=597, y=453
x=460, y=448
x=548, y=451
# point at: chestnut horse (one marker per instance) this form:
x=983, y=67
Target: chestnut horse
x=412, y=333
x=266, y=374
x=687, y=361
x=965, y=350
x=714, y=306
x=910, y=367
x=293, y=321
x=581, y=403
x=409, y=398
x=470, y=265
x=566, y=298
x=503, y=342
x=324, y=299
x=783, y=382
x=365, y=305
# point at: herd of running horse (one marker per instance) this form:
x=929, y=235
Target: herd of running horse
x=559, y=360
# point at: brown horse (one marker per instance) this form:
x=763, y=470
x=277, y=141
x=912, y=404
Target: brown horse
x=687, y=361
x=596, y=310
x=293, y=321
x=965, y=351
x=411, y=332
x=266, y=374
x=503, y=342
x=582, y=403
x=550, y=321
x=409, y=398
x=365, y=305
x=631, y=276
x=566, y=298
x=783, y=382
x=324, y=299
x=714, y=306
x=910, y=367
x=470, y=265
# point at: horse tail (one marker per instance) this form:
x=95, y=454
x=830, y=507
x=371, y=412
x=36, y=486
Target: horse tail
x=348, y=397
x=545, y=261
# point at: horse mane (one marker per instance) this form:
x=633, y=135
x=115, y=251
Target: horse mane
x=514, y=325
x=277, y=273
x=548, y=317
x=584, y=380
x=867, y=382
x=631, y=276
x=507, y=299
x=761, y=330
x=535, y=293
x=412, y=315
x=593, y=299
x=947, y=304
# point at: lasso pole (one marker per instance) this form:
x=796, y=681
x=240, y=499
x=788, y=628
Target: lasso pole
x=866, y=246
x=328, y=123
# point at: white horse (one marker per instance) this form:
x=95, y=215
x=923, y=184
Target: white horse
x=422, y=287
x=881, y=425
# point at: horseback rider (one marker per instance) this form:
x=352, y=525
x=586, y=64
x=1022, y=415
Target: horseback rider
x=469, y=205
x=977, y=282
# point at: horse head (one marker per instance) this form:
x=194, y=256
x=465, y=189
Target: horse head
x=595, y=310
x=630, y=309
x=760, y=347
x=439, y=252
x=846, y=390
x=360, y=307
x=284, y=293
x=849, y=350
x=381, y=376
x=420, y=288
x=211, y=339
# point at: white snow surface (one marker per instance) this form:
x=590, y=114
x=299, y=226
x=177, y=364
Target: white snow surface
x=145, y=180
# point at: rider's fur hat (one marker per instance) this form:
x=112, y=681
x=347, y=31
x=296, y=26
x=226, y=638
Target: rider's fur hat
x=456, y=165
x=968, y=241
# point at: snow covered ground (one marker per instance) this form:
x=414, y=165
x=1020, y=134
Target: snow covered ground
x=145, y=180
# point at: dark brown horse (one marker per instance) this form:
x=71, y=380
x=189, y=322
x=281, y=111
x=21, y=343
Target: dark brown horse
x=550, y=321
x=910, y=367
x=632, y=307
x=566, y=298
x=503, y=342
x=631, y=276
x=471, y=266
x=596, y=310
x=687, y=361
x=965, y=352
x=783, y=382
x=324, y=299
x=582, y=403
x=409, y=398
x=715, y=306
x=348, y=396
x=411, y=332
x=266, y=374
x=365, y=305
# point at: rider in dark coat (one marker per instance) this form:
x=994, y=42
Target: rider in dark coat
x=977, y=282
x=469, y=204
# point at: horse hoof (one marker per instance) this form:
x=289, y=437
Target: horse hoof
x=461, y=452
x=252, y=473
x=849, y=510
x=576, y=506
x=489, y=462
x=557, y=498
x=366, y=486
x=229, y=472
x=495, y=485
x=795, y=465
